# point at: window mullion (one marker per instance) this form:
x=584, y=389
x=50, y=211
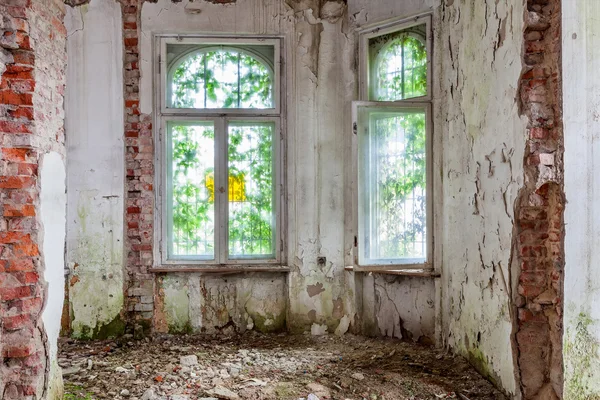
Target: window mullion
x=221, y=190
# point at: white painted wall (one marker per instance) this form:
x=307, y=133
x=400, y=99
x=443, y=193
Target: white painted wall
x=53, y=205
x=478, y=64
x=366, y=12
x=581, y=113
x=95, y=169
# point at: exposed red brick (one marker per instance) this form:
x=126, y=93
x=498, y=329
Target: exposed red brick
x=15, y=154
x=31, y=124
x=540, y=206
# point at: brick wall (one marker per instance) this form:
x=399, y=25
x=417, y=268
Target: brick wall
x=139, y=162
x=32, y=37
x=540, y=226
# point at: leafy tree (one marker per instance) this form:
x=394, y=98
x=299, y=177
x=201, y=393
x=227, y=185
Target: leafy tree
x=232, y=79
x=223, y=79
x=400, y=171
x=401, y=70
x=401, y=179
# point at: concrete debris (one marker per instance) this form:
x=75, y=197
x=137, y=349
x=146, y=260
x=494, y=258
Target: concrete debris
x=189, y=361
x=358, y=376
x=150, y=394
x=318, y=330
x=255, y=366
x=319, y=390
x=221, y=392
x=343, y=326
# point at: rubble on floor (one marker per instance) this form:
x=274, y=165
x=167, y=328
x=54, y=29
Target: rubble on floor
x=255, y=366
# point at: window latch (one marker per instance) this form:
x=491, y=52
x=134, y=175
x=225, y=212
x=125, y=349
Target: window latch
x=355, y=128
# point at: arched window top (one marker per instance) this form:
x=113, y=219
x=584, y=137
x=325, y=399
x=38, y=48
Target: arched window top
x=220, y=77
x=399, y=68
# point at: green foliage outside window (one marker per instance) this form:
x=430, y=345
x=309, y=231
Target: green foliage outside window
x=401, y=69
x=223, y=79
x=398, y=168
x=401, y=185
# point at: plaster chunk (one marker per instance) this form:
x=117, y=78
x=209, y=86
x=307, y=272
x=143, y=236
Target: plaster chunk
x=5, y=58
x=343, y=326
x=318, y=330
x=332, y=11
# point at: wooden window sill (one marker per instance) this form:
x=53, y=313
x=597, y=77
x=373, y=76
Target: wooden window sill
x=415, y=272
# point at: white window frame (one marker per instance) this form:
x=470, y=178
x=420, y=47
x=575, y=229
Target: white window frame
x=385, y=28
x=422, y=102
x=221, y=118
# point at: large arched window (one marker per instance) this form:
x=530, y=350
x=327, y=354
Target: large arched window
x=220, y=157
x=224, y=77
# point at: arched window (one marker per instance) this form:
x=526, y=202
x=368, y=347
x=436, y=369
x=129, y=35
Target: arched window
x=399, y=70
x=224, y=77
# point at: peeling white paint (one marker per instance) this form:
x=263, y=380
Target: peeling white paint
x=483, y=143
x=581, y=105
x=364, y=12
x=404, y=303
x=209, y=304
x=95, y=169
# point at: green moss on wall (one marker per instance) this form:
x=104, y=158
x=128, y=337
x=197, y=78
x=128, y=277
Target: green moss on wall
x=480, y=362
x=582, y=366
x=113, y=329
x=269, y=323
x=181, y=328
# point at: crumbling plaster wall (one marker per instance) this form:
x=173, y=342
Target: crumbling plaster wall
x=96, y=171
x=393, y=306
x=581, y=102
x=478, y=64
x=319, y=85
x=196, y=303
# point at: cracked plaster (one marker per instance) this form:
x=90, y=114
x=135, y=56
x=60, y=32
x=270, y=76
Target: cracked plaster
x=581, y=105
x=478, y=61
x=96, y=166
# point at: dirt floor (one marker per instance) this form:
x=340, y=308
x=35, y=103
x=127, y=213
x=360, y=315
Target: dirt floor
x=255, y=366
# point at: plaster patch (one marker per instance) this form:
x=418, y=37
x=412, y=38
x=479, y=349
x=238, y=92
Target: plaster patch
x=53, y=203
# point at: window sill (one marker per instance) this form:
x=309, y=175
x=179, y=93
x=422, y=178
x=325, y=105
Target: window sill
x=415, y=272
x=221, y=269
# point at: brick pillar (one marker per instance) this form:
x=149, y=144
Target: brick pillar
x=539, y=210
x=32, y=79
x=139, y=161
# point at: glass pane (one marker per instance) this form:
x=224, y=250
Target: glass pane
x=399, y=63
x=251, y=190
x=393, y=187
x=221, y=78
x=190, y=193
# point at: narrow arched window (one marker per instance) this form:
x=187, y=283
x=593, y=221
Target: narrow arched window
x=224, y=77
x=398, y=65
x=394, y=146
